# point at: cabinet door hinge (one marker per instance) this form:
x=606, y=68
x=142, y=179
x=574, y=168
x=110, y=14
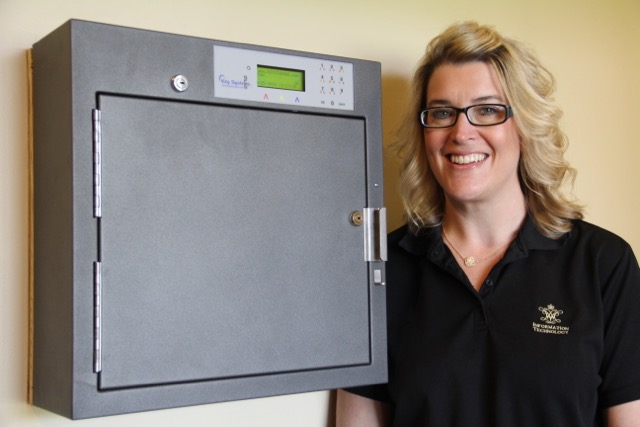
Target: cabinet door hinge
x=97, y=163
x=97, y=316
x=375, y=235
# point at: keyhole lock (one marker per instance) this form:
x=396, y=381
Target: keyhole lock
x=180, y=83
x=356, y=218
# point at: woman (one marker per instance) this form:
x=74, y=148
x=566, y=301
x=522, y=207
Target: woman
x=504, y=307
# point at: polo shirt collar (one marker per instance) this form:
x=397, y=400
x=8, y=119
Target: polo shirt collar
x=429, y=241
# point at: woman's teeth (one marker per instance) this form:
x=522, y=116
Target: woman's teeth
x=465, y=160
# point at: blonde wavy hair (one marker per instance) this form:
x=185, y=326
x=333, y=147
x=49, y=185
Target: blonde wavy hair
x=528, y=86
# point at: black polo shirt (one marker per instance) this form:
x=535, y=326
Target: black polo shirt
x=552, y=337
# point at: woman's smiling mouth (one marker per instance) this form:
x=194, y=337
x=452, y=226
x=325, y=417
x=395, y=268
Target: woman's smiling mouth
x=465, y=160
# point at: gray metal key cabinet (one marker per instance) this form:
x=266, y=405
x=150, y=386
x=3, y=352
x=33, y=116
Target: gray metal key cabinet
x=208, y=221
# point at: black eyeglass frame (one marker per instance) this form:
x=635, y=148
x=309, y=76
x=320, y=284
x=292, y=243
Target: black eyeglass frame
x=508, y=115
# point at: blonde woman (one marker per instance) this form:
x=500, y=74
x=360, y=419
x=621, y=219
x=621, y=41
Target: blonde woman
x=505, y=308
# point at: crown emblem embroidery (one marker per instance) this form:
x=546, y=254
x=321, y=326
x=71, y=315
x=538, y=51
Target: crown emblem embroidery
x=551, y=319
x=551, y=314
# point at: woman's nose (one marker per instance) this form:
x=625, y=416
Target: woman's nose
x=463, y=130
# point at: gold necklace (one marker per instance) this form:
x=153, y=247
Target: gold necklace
x=469, y=261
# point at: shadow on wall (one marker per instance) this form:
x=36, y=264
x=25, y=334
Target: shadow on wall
x=395, y=103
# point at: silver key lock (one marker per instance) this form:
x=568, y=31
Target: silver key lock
x=179, y=83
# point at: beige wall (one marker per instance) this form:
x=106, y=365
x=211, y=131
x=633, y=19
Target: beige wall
x=593, y=48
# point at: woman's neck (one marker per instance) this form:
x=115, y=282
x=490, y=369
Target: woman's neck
x=479, y=234
x=484, y=224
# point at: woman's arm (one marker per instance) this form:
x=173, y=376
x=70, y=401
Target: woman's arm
x=625, y=415
x=357, y=411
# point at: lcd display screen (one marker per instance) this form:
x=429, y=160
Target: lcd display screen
x=280, y=78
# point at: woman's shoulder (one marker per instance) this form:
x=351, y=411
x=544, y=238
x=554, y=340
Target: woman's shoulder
x=405, y=250
x=394, y=237
x=587, y=233
x=406, y=242
x=602, y=246
x=400, y=251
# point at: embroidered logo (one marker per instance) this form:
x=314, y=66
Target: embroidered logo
x=551, y=319
x=551, y=314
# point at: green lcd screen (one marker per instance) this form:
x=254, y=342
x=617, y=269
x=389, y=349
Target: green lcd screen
x=280, y=78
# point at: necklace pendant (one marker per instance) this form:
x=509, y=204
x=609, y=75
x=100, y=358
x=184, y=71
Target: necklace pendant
x=470, y=261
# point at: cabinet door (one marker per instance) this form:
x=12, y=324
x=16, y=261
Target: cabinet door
x=226, y=247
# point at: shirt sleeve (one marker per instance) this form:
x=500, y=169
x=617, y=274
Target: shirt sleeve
x=620, y=369
x=376, y=392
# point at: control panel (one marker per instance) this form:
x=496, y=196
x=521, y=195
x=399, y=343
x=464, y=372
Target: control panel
x=251, y=75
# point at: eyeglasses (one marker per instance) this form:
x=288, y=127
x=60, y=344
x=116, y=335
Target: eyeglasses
x=478, y=115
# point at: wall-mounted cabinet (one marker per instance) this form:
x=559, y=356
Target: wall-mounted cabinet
x=208, y=221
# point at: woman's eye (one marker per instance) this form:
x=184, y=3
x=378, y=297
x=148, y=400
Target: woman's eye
x=488, y=111
x=441, y=114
